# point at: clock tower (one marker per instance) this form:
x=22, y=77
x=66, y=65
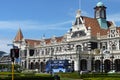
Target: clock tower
x=100, y=11
x=100, y=15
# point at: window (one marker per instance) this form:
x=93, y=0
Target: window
x=112, y=33
x=102, y=14
x=113, y=47
x=97, y=14
x=42, y=52
x=78, y=34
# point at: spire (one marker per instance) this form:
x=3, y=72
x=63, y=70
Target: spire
x=19, y=36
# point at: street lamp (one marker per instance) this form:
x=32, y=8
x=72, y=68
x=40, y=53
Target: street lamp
x=112, y=55
x=102, y=57
x=52, y=50
x=79, y=57
x=93, y=64
x=112, y=60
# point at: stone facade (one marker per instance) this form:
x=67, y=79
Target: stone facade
x=97, y=38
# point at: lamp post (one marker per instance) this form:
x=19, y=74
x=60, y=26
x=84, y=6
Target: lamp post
x=93, y=64
x=102, y=57
x=112, y=61
x=52, y=50
x=112, y=56
x=79, y=57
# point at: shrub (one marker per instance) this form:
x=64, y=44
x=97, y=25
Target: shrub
x=28, y=78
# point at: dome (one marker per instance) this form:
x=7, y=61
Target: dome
x=100, y=4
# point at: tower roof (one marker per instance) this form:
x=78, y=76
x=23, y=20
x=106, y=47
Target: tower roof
x=100, y=4
x=19, y=36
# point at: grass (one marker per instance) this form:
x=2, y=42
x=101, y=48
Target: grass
x=68, y=76
x=6, y=74
x=91, y=79
x=68, y=79
x=101, y=79
x=75, y=76
x=25, y=76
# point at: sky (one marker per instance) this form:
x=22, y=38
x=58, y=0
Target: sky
x=46, y=17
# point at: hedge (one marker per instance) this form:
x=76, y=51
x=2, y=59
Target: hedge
x=91, y=75
x=28, y=78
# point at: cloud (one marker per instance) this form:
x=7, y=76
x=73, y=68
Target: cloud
x=4, y=46
x=29, y=25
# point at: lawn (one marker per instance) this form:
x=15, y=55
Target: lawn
x=75, y=76
x=25, y=76
x=63, y=76
x=91, y=79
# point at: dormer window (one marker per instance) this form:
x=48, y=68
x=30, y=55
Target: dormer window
x=78, y=34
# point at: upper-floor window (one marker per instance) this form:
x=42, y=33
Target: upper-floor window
x=113, y=47
x=112, y=33
x=78, y=34
x=42, y=52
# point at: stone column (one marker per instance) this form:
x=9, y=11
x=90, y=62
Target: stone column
x=76, y=65
x=27, y=59
x=89, y=64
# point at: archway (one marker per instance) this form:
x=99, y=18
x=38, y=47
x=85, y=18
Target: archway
x=72, y=65
x=25, y=64
x=79, y=48
x=42, y=66
x=107, y=65
x=83, y=64
x=32, y=65
x=36, y=65
x=97, y=65
x=29, y=66
x=117, y=64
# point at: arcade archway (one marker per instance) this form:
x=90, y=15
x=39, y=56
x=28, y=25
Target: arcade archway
x=107, y=65
x=83, y=64
x=36, y=65
x=97, y=65
x=42, y=66
x=117, y=64
x=32, y=65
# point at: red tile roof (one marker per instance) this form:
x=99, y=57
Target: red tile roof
x=89, y=22
x=48, y=41
x=95, y=27
x=59, y=39
x=31, y=42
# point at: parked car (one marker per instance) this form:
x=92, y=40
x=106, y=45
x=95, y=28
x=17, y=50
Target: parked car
x=94, y=71
x=112, y=71
x=84, y=72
